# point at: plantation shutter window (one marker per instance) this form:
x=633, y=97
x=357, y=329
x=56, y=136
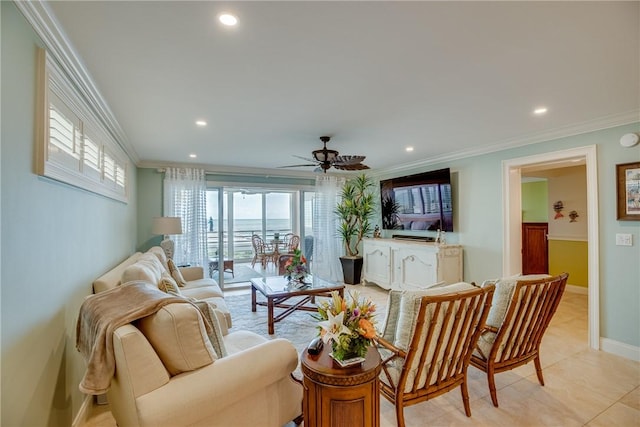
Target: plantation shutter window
x=73, y=145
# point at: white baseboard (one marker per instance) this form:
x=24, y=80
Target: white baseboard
x=83, y=413
x=577, y=289
x=620, y=349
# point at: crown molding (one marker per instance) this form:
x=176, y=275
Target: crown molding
x=40, y=17
x=520, y=141
x=231, y=170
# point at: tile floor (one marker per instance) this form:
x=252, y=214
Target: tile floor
x=583, y=387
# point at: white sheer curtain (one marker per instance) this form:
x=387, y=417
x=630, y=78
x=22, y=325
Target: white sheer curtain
x=327, y=245
x=185, y=193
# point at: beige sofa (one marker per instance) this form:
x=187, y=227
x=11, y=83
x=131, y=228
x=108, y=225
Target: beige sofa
x=168, y=375
x=142, y=266
x=171, y=371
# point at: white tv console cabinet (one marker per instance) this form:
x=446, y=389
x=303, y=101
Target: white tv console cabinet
x=410, y=265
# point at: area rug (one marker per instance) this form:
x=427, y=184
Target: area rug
x=241, y=273
x=299, y=327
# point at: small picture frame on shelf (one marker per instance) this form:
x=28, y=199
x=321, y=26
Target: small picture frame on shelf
x=628, y=191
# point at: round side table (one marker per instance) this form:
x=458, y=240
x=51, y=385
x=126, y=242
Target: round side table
x=335, y=396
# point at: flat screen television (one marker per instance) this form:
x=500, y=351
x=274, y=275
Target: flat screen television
x=417, y=202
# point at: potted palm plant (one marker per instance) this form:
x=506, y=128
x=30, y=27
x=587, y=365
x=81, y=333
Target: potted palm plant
x=354, y=212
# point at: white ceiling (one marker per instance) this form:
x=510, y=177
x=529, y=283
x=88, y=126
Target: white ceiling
x=448, y=78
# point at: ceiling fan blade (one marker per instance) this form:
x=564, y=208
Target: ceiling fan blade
x=348, y=160
x=297, y=166
x=308, y=159
x=355, y=167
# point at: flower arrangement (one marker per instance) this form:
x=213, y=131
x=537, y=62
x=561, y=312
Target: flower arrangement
x=349, y=324
x=296, y=267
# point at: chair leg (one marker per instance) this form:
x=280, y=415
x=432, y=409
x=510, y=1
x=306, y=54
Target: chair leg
x=399, y=413
x=536, y=361
x=465, y=398
x=492, y=386
x=253, y=261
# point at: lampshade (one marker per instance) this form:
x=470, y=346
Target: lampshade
x=166, y=225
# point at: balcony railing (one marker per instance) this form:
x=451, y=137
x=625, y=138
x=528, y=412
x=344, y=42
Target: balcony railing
x=242, y=247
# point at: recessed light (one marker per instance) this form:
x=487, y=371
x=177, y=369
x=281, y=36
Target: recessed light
x=201, y=123
x=228, y=19
x=408, y=149
x=540, y=111
x=193, y=156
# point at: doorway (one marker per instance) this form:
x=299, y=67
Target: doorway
x=512, y=212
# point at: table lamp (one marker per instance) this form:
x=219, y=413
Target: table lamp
x=167, y=225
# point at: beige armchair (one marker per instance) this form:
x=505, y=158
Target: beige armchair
x=168, y=373
x=427, y=342
x=521, y=312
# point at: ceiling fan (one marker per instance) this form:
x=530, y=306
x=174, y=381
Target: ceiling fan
x=325, y=158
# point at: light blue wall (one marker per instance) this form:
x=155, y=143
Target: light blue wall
x=149, y=206
x=534, y=201
x=477, y=184
x=56, y=240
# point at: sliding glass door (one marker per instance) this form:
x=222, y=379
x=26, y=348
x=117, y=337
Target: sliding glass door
x=236, y=214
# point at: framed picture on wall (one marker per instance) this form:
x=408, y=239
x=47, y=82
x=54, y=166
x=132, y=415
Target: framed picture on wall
x=628, y=191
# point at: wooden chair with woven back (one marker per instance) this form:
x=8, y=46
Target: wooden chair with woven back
x=520, y=314
x=290, y=243
x=261, y=252
x=427, y=342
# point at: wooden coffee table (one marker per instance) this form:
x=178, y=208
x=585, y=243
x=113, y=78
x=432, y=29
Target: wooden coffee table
x=277, y=290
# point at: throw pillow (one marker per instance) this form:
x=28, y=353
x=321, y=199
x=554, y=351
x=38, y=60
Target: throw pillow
x=410, y=305
x=175, y=273
x=168, y=284
x=216, y=335
x=179, y=336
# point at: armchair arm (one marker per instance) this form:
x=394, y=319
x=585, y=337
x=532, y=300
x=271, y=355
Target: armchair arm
x=192, y=273
x=489, y=328
x=200, y=394
x=397, y=352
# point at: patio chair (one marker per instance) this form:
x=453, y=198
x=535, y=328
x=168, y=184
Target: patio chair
x=261, y=252
x=522, y=309
x=427, y=342
x=293, y=241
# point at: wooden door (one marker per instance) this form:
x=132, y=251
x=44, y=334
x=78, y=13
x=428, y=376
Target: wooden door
x=535, y=250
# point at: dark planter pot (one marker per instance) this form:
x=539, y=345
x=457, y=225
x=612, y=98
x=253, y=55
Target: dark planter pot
x=351, y=269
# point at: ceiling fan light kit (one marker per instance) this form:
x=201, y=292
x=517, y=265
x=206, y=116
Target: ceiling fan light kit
x=325, y=159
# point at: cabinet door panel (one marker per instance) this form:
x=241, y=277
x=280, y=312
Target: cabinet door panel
x=413, y=269
x=376, y=264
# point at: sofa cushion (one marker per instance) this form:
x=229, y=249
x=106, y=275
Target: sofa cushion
x=175, y=272
x=112, y=278
x=159, y=253
x=178, y=335
x=208, y=290
x=235, y=342
x=138, y=272
x=152, y=262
